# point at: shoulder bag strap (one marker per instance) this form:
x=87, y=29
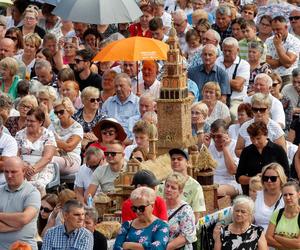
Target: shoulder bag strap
x=176, y=211
x=235, y=69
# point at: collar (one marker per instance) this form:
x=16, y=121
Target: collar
x=70, y=233
x=18, y=189
x=130, y=98
x=202, y=68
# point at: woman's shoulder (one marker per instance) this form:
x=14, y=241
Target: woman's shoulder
x=256, y=228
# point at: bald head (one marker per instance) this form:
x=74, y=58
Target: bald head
x=14, y=172
x=7, y=48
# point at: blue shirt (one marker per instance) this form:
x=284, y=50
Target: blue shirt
x=217, y=74
x=58, y=238
x=114, y=108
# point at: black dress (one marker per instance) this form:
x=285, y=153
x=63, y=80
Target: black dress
x=100, y=242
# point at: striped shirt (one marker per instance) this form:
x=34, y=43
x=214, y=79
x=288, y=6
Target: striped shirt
x=243, y=44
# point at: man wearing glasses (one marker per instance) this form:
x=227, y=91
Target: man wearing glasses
x=104, y=176
x=181, y=25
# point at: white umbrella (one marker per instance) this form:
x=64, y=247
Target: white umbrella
x=98, y=11
x=52, y=2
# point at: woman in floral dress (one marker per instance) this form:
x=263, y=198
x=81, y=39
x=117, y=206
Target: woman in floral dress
x=146, y=231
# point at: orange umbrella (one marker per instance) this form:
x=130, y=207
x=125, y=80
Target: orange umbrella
x=133, y=49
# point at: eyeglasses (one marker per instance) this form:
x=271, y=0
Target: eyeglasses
x=23, y=106
x=59, y=112
x=140, y=209
x=113, y=154
x=216, y=136
x=46, y=210
x=140, y=159
x=14, y=38
x=275, y=84
x=78, y=60
x=92, y=100
x=266, y=178
x=29, y=18
x=260, y=110
x=292, y=18
x=265, y=24
x=108, y=132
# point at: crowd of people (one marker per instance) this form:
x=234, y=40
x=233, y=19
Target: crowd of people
x=65, y=116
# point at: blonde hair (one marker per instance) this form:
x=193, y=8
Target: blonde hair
x=29, y=99
x=255, y=183
x=277, y=168
x=178, y=179
x=88, y=91
x=47, y=91
x=243, y=199
x=202, y=107
x=65, y=195
x=34, y=39
x=261, y=99
x=145, y=193
x=11, y=64
x=213, y=86
x=66, y=102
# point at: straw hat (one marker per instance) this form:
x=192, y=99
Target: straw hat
x=121, y=134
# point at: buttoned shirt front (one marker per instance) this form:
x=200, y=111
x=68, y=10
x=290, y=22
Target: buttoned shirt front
x=153, y=90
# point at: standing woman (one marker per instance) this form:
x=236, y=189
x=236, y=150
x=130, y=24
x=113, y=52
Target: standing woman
x=68, y=134
x=284, y=228
x=181, y=218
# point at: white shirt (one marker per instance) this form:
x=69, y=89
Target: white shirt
x=128, y=151
x=8, y=148
x=276, y=112
x=233, y=131
x=154, y=89
x=83, y=177
x=243, y=71
x=167, y=20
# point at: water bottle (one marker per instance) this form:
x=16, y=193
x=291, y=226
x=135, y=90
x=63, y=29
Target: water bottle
x=90, y=201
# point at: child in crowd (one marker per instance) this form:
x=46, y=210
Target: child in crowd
x=192, y=39
x=254, y=186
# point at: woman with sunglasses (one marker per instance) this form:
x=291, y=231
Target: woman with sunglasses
x=140, y=154
x=261, y=152
x=15, y=34
x=181, y=217
x=284, y=228
x=68, y=134
x=270, y=198
x=90, y=114
x=146, y=231
x=222, y=150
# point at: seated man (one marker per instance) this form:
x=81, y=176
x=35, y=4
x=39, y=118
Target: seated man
x=105, y=176
x=145, y=178
x=192, y=191
x=72, y=234
x=20, y=204
x=94, y=157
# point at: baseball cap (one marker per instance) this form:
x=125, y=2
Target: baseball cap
x=179, y=151
x=144, y=177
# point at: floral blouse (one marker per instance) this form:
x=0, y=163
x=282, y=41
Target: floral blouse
x=12, y=125
x=155, y=236
x=247, y=240
x=183, y=223
x=88, y=126
x=262, y=68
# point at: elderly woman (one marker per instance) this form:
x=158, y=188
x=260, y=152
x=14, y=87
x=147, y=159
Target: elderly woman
x=9, y=78
x=240, y=234
x=70, y=89
x=16, y=123
x=270, y=198
x=68, y=134
x=199, y=112
x=146, y=231
x=31, y=16
x=211, y=93
x=181, y=218
x=255, y=52
x=261, y=152
x=142, y=27
x=36, y=148
x=284, y=228
x=108, y=85
x=32, y=42
x=245, y=113
x=261, y=105
x=222, y=150
x=90, y=114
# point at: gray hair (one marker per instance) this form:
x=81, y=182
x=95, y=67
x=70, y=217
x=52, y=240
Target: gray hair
x=123, y=76
x=92, y=213
x=147, y=96
x=86, y=92
x=40, y=64
x=150, y=116
x=72, y=204
x=48, y=91
x=158, y=2
x=265, y=77
x=210, y=47
x=224, y=10
x=216, y=34
x=243, y=199
x=261, y=99
x=6, y=102
x=296, y=72
x=230, y=41
x=181, y=14
x=67, y=103
x=256, y=45
x=145, y=193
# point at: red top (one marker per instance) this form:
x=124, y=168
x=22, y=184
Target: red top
x=159, y=210
x=136, y=30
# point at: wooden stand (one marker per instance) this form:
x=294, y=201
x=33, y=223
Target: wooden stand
x=210, y=197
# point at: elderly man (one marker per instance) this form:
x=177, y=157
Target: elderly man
x=295, y=23
x=44, y=74
x=283, y=50
x=223, y=22
x=72, y=234
x=263, y=84
x=104, y=176
x=292, y=91
x=209, y=71
x=238, y=71
x=192, y=191
x=131, y=69
x=181, y=25
x=124, y=104
x=19, y=206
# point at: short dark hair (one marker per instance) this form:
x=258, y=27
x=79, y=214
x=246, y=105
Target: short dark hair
x=23, y=88
x=86, y=54
x=191, y=33
x=155, y=24
x=239, y=20
x=267, y=17
x=248, y=23
x=250, y=6
x=21, y=5
x=257, y=128
x=217, y=124
x=18, y=33
x=247, y=108
x=280, y=19
x=94, y=32
x=66, y=74
x=47, y=53
x=38, y=113
x=72, y=204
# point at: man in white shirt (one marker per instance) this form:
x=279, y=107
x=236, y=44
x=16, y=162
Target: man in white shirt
x=181, y=25
x=238, y=71
x=263, y=84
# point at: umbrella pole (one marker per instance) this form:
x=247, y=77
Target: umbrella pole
x=137, y=79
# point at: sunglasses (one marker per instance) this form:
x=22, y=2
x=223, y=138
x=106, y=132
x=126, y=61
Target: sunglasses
x=140, y=209
x=46, y=210
x=59, y=112
x=140, y=159
x=109, y=132
x=78, y=60
x=113, y=154
x=92, y=100
x=260, y=110
x=14, y=38
x=291, y=18
x=266, y=178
